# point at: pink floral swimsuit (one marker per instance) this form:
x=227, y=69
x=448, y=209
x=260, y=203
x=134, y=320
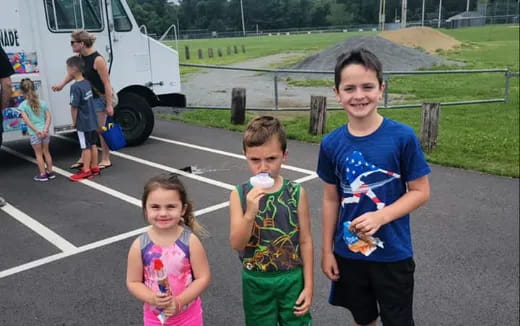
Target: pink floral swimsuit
x=176, y=260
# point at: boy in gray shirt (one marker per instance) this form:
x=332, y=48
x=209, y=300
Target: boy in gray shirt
x=84, y=119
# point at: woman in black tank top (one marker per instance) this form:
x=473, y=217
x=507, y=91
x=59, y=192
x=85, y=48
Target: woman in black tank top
x=96, y=72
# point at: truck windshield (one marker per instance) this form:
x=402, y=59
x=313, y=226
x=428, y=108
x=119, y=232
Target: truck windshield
x=121, y=21
x=67, y=15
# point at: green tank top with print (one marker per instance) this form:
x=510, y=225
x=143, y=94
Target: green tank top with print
x=274, y=244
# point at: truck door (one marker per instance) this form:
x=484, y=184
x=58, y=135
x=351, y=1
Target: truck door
x=130, y=56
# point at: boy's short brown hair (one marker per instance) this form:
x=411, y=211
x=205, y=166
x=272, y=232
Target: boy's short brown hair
x=261, y=129
x=76, y=62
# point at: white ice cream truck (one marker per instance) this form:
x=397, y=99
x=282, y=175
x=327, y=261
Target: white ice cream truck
x=35, y=34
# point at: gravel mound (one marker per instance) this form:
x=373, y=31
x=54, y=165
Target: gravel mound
x=427, y=38
x=394, y=57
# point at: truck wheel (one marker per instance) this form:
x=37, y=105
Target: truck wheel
x=135, y=116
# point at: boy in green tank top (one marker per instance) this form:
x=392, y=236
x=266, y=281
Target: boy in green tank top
x=270, y=228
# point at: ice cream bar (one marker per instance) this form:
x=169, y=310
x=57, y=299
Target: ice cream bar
x=262, y=180
x=357, y=243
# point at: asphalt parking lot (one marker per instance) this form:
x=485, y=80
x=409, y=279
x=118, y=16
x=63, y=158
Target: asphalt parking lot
x=63, y=245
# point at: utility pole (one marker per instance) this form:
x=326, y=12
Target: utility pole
x=467, y=5
x=440, y=10
x=243, y=23
x=403, y=13
x=422, y=14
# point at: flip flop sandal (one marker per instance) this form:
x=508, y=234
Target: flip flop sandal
x=77, y=165
x=104, y=166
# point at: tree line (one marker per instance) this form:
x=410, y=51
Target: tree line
x=225, y=15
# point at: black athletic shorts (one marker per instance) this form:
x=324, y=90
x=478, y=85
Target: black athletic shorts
x=365, y=285
x=87, y=139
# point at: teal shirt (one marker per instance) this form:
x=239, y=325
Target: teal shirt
x=38, y=120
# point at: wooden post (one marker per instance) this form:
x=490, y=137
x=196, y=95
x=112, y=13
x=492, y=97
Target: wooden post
x=429, y=126
x=235, y=49
x=219, y=51
x=238, y=106
x=200, y=53
x=187, y=51
x=243, y=48
x=318, y=118
x=228, y=50
x=210, y=53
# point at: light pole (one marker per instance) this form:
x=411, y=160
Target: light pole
x=243, y=23
x=404, y=5
x=467, y=5
x=440, y=8
x=422, y=14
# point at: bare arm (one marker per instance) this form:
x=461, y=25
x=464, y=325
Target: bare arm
x=6, y=92
x=304, y=301
x=48, y=119
x=68, y=78
x=201, y=273
x=329, y=220
x=101, y=67
x=241, y=224
x=134, y=280
x=417, y=195
x=29, y=123
x=74, y=112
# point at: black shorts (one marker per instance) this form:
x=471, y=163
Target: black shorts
x=87, y=139
x=363, y=285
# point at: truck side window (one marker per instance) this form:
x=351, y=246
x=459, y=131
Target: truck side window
x=68, y=15
x=121, y=21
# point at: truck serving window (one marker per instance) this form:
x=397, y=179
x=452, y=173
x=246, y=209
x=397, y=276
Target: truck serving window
x=121, y=21
x=69, y=15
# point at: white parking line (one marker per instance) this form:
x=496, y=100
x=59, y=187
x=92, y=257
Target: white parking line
x=39, y=228
x=91, y=184
x=164, y=167
x=217, y=151
x=94, y=245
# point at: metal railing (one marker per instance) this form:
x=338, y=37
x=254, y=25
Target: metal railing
x=386, y=74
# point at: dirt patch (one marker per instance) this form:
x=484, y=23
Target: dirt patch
x=394, y=56
x=421, y=37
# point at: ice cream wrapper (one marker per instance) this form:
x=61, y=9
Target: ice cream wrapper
x=364, y=246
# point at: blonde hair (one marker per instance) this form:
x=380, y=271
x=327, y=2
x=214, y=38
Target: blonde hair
x=260, y=130
x=172, y=182
x=27, y=87
x=83, y=36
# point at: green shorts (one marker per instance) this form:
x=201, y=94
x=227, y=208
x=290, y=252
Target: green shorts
x=269, y=298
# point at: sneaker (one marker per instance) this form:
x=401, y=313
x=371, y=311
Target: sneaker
x=41, y=177
x=80, y=175
x=51, y=175
x=95, y=171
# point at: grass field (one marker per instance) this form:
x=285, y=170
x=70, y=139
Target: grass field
x=483, y=137
x=257, y=47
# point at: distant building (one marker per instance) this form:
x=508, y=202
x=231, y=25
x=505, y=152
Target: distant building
x=466, y=19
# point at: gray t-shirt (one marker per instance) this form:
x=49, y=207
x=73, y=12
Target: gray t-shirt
x=81, y=98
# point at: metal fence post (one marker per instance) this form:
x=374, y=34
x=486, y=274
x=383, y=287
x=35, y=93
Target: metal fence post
x=276, y=91
x=386, y=92
x=506, y=92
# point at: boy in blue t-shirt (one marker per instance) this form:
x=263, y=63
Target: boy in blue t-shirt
x=84, y=118
x=374, y=175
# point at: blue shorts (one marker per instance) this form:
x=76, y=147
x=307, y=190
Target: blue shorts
x=35, y=140
x=99, y=104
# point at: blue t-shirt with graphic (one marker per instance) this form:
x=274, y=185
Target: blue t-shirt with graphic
x=371, y=172
x=81, y=98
